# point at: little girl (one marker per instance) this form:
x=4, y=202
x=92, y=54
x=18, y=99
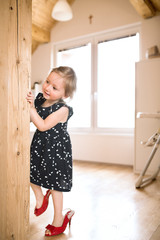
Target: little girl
x=51, y=152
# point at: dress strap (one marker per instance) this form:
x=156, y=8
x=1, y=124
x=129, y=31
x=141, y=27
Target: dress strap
x=39, y=100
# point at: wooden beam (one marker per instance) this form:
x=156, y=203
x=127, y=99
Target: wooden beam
x=40, y=35
x=35, y=44
x=42, y=22
x=15, y=71
x=144, y=8
x=156, y=4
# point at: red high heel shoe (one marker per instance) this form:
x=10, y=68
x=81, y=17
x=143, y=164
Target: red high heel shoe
x=42, y=209
x=57, y=230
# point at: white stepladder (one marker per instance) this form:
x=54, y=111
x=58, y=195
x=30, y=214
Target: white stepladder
x=154, y=141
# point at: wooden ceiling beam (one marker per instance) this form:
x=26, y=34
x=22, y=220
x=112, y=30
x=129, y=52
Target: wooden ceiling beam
x=42, y=22
x=144, y=8
x=35, y=44
x=40, y=35
x=156, y=4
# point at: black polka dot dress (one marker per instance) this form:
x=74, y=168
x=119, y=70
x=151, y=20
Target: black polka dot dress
x=51, y=152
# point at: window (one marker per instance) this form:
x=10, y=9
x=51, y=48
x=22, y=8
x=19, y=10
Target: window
x=79, y=59
x=116, y=82
x=105, y=68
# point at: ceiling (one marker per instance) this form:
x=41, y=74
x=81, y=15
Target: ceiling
x=42, y=22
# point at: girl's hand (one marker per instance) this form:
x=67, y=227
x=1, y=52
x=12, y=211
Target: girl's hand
x=30, y=99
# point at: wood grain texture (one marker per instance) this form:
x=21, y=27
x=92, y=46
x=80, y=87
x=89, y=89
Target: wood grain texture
x=144, y=8
x=40, y=35
x=15, y=51
x=106, y=204
x=156, y=4
x=42, y=21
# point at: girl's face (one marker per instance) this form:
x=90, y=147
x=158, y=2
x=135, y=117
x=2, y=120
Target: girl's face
x=53, y=88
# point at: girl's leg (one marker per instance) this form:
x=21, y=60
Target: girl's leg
x=38, y=194
x=58, y=207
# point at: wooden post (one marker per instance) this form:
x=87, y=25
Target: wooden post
x=15, y=70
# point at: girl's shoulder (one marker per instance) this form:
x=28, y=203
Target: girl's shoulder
x=60, y=104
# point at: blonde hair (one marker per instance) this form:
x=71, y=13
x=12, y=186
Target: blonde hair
x=70, y=79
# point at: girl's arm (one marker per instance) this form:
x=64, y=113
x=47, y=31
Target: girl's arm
x=53, y=119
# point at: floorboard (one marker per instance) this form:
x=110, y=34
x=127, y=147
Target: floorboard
x=106, y=204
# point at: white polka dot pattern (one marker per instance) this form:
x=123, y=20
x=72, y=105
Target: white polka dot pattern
x=51, y=152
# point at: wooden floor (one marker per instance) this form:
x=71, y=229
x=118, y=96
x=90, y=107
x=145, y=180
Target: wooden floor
x=107, y=206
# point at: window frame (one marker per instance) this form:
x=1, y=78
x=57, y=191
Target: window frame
x=94, y=39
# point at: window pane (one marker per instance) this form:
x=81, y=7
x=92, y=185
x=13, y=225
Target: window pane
x=80, y=60
x=116, y=82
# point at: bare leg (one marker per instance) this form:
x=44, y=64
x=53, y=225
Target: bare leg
x=58, y=207
x=38, y=194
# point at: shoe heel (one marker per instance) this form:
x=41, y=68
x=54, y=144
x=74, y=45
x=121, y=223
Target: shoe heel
x=70, y=223
x=70, y=217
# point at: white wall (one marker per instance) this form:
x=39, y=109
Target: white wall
x=150, y=34
x=41, y=63
x=107, y=14
x=103, y=148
